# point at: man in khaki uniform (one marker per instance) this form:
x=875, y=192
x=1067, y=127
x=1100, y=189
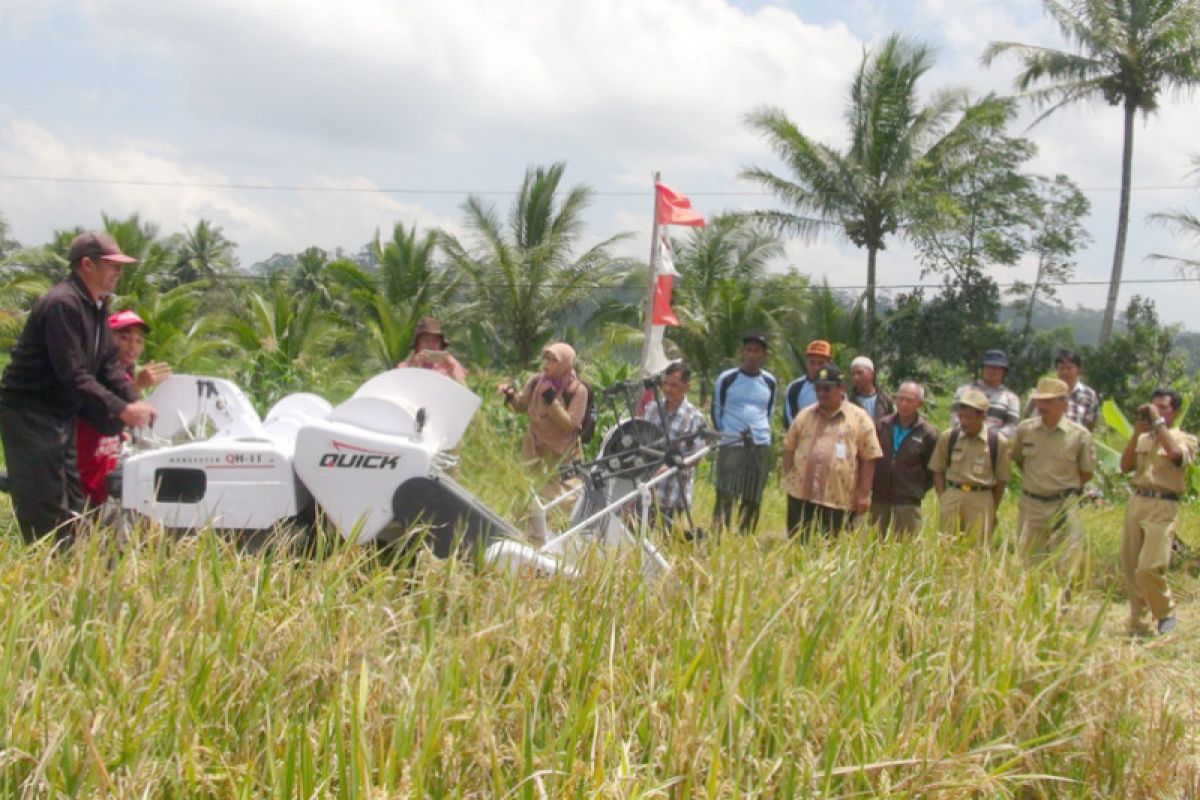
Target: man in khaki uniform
x=1157, y=454
x=970, y=469
x=1057, y=458
x=829, y=457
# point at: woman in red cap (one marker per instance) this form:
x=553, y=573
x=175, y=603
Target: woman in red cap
x=97, y=452
x=429, y=352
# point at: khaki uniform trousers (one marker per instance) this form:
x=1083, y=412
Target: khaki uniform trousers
x=972, y=512
x=1050, y=529
x=892, y=518
x=1146, y=553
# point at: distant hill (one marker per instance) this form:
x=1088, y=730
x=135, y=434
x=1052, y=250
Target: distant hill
x=1085, y=324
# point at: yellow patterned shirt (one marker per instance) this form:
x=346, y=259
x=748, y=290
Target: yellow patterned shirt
x=822, y=452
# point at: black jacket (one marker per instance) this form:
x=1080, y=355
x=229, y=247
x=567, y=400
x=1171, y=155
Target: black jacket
x=903, y=478
x=65, y=362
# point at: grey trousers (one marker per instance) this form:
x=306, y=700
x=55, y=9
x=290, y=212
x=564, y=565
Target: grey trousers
x=43, y=472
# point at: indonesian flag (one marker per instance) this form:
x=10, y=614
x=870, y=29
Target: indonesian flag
x=674, y=208
x=663, y=315
x=654, y=356
x=670, y=208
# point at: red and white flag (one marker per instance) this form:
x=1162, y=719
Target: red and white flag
x=670, y=208
x=673, y=208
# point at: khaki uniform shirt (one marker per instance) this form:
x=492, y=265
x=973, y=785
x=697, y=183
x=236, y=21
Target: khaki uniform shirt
x=971, y=463
x=1153, y=471
x=1052, y=458
x=825, y=450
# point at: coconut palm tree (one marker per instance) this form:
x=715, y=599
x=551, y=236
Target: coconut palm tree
x=1127, y=52
x=860, y=190
x=406, y=285
x=139, y=238
x=204, y=253
x=281, y=341
x=722, y=292
x=525, y=275
x=1184, y=223
x=178, y=334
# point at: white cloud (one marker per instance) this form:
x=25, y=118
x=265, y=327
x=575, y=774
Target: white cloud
x=461, y=76
x=269, y=221
x=464, y=94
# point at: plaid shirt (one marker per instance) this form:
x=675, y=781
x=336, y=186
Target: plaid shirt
x=1083, y=406
x=687, y=419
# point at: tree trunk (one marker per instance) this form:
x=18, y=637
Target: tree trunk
x=872, y=252
x=1029, y=310
x=1114, y=282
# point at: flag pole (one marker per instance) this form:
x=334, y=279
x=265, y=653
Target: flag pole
x=651, y=282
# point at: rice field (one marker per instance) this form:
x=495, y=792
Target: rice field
x=191, y=667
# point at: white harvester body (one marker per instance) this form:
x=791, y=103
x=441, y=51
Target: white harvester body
x=374, y=463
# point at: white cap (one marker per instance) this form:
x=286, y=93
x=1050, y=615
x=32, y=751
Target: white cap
x=863, y=361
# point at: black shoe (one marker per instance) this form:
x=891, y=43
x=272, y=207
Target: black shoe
x=1166, y=625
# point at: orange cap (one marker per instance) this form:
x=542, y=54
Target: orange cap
x=819, y=347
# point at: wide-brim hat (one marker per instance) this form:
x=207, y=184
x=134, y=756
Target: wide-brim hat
x=1050, y=389
x=973, y=398
x=428, y=326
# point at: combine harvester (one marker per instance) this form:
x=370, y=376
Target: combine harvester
x=377, y=467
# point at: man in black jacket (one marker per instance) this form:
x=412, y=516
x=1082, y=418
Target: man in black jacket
x=902, y=476
x=63, y=366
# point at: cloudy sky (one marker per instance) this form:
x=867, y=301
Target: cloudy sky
x=361, y=113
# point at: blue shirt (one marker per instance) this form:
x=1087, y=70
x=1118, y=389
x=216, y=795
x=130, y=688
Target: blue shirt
x=743, y=401
x=805, y=396
x=867, y=403
x=898, y=436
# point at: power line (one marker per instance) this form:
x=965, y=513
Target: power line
x=814, y=287
x=266, y=187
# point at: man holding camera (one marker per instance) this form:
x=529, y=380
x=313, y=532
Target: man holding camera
x=1157, y=454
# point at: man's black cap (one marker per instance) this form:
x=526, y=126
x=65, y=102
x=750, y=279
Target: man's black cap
x=995, y=358
x=828, y=375
x=757, y=337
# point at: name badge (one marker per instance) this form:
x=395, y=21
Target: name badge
x=840, y=450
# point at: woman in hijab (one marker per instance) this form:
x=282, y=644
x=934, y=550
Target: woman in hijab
x=555, y=401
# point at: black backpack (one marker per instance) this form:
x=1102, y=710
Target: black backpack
x=587, y=431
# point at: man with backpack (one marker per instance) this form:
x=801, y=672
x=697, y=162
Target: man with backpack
x=742, y=404
x=970, y=468
x=559, y=407
x=802, y=392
